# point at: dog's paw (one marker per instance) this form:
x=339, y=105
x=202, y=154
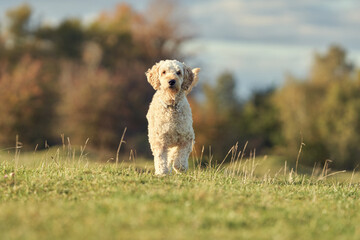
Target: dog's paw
x=180, y=169
x=160, y=175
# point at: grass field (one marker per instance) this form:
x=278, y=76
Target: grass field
x=57, y=195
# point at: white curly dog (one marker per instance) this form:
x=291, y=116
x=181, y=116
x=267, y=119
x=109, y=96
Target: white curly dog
x=171, y=133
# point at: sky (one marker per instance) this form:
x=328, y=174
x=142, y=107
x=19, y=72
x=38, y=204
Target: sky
x=258, y=40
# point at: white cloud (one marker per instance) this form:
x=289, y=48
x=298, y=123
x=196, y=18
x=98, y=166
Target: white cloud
x=279, y=21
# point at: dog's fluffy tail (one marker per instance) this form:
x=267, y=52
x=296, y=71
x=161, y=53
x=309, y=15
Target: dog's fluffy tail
x=195, y=81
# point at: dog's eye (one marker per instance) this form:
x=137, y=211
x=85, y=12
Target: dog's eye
x=178, y=72
x=163, y=72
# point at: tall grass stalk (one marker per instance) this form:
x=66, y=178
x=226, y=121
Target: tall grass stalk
x=119, y=147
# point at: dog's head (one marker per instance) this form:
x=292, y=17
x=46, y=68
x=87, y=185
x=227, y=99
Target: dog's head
x=172, y=76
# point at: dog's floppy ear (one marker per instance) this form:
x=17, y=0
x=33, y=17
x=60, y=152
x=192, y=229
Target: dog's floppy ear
x=190, y=78
x=153, y=76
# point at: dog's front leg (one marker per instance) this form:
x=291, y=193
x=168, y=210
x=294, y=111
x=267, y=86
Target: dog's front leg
x=181, y=158
x=160, y=161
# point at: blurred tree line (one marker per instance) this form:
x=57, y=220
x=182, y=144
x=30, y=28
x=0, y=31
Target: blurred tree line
x=321, y=111
x=83, y=80
x=87, y=81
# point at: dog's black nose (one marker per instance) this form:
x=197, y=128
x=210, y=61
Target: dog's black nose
x=172, y=82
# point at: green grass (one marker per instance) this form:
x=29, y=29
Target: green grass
x=56, y=195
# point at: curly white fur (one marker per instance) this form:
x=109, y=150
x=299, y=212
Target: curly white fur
x=171, y=134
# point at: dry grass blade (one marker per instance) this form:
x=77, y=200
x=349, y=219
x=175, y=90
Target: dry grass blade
x=331, y=174
x=352, y=175
x=119, y=147
x=82, y=149
x=299, y=154
x=230, y=151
